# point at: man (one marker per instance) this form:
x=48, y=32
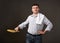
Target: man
x=35, y=28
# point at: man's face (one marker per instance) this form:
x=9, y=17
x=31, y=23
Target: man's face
x=35, y=9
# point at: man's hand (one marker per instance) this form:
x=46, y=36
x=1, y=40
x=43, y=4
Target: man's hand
x=17, y=29
x=42, y=32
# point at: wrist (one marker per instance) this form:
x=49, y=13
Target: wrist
x=45, y=31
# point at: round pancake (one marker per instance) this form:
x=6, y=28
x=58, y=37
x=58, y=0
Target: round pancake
x=12, y=31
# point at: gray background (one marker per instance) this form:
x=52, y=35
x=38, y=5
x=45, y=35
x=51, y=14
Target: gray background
x=14, y=12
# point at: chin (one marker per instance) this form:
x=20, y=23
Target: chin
x=35, y=12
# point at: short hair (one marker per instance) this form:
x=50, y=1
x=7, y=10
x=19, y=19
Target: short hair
x=36, y=5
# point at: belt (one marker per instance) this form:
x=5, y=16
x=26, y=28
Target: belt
x=33, y=35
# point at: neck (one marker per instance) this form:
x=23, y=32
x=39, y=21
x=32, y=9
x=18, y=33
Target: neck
x=35, y=13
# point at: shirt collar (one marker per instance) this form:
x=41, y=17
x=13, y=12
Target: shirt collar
x=33, y=15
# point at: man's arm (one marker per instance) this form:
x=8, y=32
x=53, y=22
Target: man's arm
x=49, y=26
x=48, y=23
x=22, y=25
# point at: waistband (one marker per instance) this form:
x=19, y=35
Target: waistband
x=33, y=35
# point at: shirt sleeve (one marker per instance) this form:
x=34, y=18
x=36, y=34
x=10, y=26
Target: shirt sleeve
x=23, y=24
x=48, y=23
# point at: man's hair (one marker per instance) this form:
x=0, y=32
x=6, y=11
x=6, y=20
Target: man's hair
x=36, y=5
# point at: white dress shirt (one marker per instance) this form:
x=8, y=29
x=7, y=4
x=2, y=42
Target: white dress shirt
x=33, y=27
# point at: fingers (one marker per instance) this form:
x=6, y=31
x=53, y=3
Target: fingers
x=41, y=32
x=16, y=29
